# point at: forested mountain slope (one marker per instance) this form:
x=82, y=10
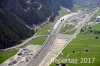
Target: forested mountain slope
x=35, y=11
x=16, y=14
x=12, y=30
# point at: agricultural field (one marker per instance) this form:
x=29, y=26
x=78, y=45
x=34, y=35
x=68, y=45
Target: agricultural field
x=38, y=41
x=78, y=7
x=69, y=29
x=71, y=32
x=66, y=28
x=7, y=54
x=43, y=30
x=85, y=47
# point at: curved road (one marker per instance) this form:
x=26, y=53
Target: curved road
x=37, y=60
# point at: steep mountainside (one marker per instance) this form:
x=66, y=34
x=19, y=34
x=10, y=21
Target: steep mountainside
x=35, y=11
x=16, y=14
x=89, y=3
x=12, y=30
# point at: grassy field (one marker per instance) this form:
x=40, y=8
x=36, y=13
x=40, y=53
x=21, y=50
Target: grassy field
x=71, y=32
x=63, y=12
x=91, y=29
x=44, y=29
x=38, y=41
x=96, y=27
x=84, y=46
x=78, y=7
x=7, y=54
x=66, y=28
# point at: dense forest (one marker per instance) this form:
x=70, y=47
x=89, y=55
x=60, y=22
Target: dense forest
x=16, y=14
x=12, y=30
x=35, y=11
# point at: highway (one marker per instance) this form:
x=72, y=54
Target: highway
x=55, y=52
x=37, y=60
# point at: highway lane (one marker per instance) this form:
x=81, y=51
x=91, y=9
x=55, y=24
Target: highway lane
x=70, y=39
x=37, y=60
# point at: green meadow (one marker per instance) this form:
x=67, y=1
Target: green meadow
x=86, y=45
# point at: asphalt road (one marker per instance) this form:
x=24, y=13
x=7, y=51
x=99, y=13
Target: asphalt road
x=37, y=60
